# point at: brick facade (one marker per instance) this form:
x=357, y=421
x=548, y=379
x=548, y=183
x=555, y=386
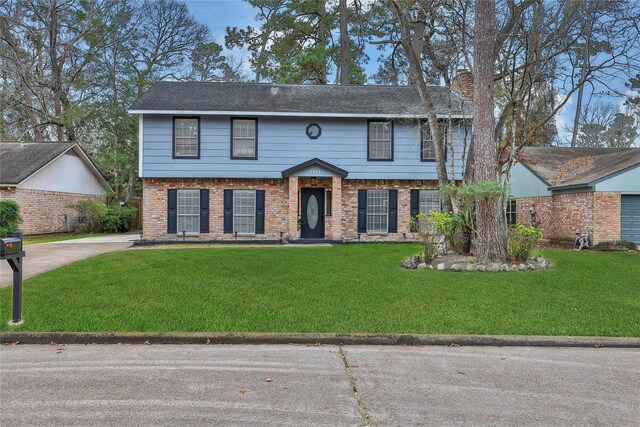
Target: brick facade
x=282, y=205
x=563, y=215
x=46, y=211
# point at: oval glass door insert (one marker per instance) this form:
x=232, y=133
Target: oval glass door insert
x=312, y=212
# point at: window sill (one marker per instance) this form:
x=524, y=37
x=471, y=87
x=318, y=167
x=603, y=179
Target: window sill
x=188, y=234
x=377, y=233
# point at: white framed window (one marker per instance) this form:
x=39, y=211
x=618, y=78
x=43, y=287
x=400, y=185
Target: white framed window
x=188, y=211
x=429, y=200
x=186, y=137
x=428, y=145
x=244, y=211
x=377, y=211
x=244, y=138
x=380, y=140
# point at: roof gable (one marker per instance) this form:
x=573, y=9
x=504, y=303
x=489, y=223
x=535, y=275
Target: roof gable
x=564, y=167
x=296, y=99
x=315, y=168
x=19, y=161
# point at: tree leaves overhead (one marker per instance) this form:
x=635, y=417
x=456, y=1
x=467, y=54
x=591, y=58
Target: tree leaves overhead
x=70, y=70
x=297, y=41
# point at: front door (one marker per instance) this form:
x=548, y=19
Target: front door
x=312, y=213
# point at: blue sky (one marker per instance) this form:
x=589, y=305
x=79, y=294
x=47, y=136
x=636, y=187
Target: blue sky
x=219, y=14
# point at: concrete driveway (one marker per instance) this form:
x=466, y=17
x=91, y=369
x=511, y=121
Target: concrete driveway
x=43, y=257
x=317, y=385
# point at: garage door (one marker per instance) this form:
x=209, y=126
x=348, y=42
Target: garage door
x=630, y=218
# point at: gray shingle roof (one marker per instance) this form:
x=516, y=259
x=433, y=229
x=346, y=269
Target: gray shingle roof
x=382, y=101
x=19, y=161
x=563, y=166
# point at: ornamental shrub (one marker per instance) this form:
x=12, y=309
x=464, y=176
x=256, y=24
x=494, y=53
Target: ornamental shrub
x=427, y=235
x=96, y=217
x=9, y=217
x=522, y=241
x=446, y=224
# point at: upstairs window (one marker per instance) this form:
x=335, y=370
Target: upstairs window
x=380, y=140
x=244, y=139
x=186, y=137
x=428, y=144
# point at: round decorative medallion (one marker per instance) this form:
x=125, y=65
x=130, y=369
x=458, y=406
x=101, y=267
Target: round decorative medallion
x=314, y=131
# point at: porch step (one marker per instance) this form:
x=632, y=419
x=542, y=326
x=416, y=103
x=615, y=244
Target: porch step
x=314, y=241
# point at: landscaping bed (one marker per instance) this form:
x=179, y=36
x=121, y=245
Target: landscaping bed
x=337, y=289
x=459, y=262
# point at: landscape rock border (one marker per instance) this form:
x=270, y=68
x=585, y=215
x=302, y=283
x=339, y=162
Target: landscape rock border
x=535, y=263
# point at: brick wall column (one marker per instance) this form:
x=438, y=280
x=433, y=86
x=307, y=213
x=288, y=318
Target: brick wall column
x=293, y=206
x=336, y=208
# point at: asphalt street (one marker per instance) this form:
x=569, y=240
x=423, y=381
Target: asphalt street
x=317, y=385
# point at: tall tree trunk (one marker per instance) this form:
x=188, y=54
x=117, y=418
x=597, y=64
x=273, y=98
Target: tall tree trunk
x=322, y=41
x=583, y=74
x=345, y=71
x=491, y=236
x=415, y=72
x=418, y=37
x=130, y=186
x=26, y=91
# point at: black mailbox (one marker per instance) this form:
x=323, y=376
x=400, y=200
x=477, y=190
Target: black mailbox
x=11, y=250
x=10, y=246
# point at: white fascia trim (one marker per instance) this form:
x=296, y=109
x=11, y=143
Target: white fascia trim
x=291, y=114
x=140, y=143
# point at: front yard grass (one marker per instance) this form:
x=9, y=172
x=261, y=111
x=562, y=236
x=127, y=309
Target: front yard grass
x=340, y=289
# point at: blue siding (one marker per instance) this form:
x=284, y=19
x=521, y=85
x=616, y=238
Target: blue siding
x=282, y=143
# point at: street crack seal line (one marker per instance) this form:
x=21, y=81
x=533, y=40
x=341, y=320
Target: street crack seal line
x=364, y=413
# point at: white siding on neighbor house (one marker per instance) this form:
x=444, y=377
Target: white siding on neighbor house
x=627, y=182
x=283, y=143
x=525, y=183
x=67, y=174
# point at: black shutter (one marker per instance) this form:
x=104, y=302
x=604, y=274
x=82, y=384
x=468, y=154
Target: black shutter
x=260, y=196
x=393, y=211
x=228, y=211
x=415, y=207
x=204, y=210
x=172, y=211
x=362, y=211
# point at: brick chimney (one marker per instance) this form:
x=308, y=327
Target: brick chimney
x=462, y=83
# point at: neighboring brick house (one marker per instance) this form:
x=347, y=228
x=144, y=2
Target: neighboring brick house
x=45, y=179
x=571, y=190
x=224, y=161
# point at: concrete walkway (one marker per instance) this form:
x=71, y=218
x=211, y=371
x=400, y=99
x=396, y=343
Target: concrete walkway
x=42, y=257
x=317, y=385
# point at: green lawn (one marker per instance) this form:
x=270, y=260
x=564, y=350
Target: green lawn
x=348, y=288
x=48, y=238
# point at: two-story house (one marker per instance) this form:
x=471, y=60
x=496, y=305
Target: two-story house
x=270, y=161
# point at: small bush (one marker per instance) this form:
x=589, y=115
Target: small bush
x=9, y=217
x=617, y=244
x=96, y=217
x=522, y=241
x=427, y=234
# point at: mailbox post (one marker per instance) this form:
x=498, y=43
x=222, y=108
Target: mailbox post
x=11, y=250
